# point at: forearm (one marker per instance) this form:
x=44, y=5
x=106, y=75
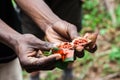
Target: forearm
x=8, y=36
x=39, y=12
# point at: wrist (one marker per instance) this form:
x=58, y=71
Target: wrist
x=14, y=39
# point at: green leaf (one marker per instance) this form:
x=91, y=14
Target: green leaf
x=55, y=48
x=47, y=53
x=69, y=59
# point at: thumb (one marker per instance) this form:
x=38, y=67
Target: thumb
x=72, y=31
x=36, y=43
x=44, y=45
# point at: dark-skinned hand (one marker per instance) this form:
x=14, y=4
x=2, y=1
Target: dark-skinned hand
x=29, y=51
x=63, y=31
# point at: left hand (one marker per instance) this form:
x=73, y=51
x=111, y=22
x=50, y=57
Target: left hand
x=29, y=51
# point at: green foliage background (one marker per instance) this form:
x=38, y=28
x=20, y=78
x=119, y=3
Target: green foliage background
x=96, y=18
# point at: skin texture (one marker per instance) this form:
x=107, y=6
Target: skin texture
x=38, y=10
x=61, y=31
x=56, y=29
x=28, y=49
x=43, y=16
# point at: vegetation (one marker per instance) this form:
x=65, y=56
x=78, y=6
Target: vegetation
x=104, y=63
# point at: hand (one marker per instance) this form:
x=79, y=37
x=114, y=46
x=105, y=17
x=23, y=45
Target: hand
x=29, y=50
x=92, y=47
x=63, y=31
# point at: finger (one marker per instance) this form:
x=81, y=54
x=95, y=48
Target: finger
x=40, y=54
x=43, y=45
x=53, y=36
x=80, y=54
x=87, y=35
x=61, y=28
x=44, y=63
x=32, y=54
x=93, y=38
x=93, y=49
x=36, y=43
x=66, y=30
x=72, y=31
x=79, y=51
x=79, y=48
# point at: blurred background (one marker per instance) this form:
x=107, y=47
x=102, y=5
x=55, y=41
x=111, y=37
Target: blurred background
x=104, y=64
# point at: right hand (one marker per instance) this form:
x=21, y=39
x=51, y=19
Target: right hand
x=63, y=31
x=29, y=51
